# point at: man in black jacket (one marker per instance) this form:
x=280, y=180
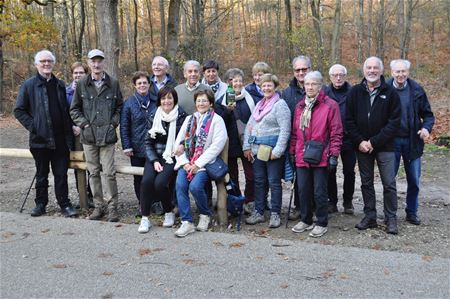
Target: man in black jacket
x=416, y=123
x=372, y=121
x=41, y=107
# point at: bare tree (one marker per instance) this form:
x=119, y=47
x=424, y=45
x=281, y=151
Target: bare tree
x=287, y=4
x=173, y=25
x=317, y=21
x=150, y=23
x=135, y=36
x=336, y=37
x=359, y=30
x=369, y=29
x=163, y=23
x=64, y=38
x=79, y=51
x=406, y=35
x=381, y=29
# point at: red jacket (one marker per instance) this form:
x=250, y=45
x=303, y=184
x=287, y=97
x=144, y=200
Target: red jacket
x=325, y=124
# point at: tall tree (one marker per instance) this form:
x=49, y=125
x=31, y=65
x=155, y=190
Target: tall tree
x=163, y=23
x=317, y=21
x=173, y=25
x=336, y=37
x=287, y=4
x=360, y=30
x=135, y=36
x=381, y=29
x=406, y=32
x=79, y=51
x=150, y=23
x=109, y=33
x=369, y=29
x=64, y=38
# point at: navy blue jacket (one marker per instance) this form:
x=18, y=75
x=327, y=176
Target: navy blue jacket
x=253, y=91
x=292, y=95
x=154, y=90
x=241, y=112
x=134, y=124
x=341, y=99
x=420, y=117
x=384, y=121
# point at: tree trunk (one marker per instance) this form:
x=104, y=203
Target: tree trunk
x=2, y=64
x=109, y=34
x=298, y=12
x=163, y=23
x=369, y=30
x=335, y=40
x=407, y=30
x=150, y=23
x=65, y=40
x=315, y=12
x=360, y=31
x=173, y=25
x=79, y=50
x=126, y=7
x=73, y=26
x=287, y=4
x=381, y=28
x=135, y=36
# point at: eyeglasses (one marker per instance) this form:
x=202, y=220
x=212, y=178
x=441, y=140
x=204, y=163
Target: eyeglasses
x=303, y=70
x=338, y=75
x=46, y=61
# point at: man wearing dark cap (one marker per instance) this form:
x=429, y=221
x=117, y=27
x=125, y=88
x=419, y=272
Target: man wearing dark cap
x=96, y=109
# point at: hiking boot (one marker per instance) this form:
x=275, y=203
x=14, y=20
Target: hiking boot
x=301, y=227
x=185, y=229
x=413, y=219
x=113, y=215
x=169, y=219
x=69, y=211
x=392, y=226
x=203, y=223
x=366, y=223
x=275, y=220
x=294, y=214
x=254, y=218
x=318, y=231
x=349, y=210
x=332, y=209
x=39, y=210
x=249, y=207
x=145, y=225
x=97, y=214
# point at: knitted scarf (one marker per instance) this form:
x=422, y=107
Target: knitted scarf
x=196, y=134
x=306, y=114
x=243, y=95
x=157, y=127
x=264, y=107
x=214, y=87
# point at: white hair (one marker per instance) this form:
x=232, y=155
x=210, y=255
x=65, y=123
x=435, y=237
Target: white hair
x=301, y=57
x=191, y=62
x=405, y=62
x=335, y=66
x=165, y=61
x=315, y=76
x=380, y=63
x=38, y=55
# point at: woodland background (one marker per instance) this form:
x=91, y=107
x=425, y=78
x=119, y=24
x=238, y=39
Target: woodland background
x=235, y=33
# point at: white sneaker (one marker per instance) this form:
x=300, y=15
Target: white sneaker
x=301, y=227
x=169, y=219
x=203, y=223
x=145, y=225
x=185, y=229
x=318, y=231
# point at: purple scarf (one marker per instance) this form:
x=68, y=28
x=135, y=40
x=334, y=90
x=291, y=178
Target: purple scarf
x=264, y=107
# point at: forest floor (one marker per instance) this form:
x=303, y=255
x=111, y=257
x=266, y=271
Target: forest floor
x=429, y=239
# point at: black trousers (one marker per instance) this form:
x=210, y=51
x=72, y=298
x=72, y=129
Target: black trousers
x=348, y=158
x=312, y=187
x=155, y=186
x=138, y=162
x=59, y=160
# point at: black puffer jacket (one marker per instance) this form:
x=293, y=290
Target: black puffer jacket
x=155, y=147
x=32, y=111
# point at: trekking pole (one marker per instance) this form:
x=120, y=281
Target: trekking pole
x=28, y=193
x=290, y=200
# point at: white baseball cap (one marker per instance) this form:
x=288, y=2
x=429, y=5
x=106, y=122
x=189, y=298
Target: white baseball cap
x=96, y=53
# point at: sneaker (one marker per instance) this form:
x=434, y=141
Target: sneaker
x=254, y=218
x=318, y=231
x=301, y=227
x=203, y=223
x=275, y=220
x=169, y=219
x=249, y=207
x=145, y=225
x=185, y=229
x=294, y=214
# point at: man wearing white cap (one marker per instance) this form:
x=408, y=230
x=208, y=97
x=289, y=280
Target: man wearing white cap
x=96, y=109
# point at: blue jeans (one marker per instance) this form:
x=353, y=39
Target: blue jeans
x=268, y=175
x=198, y=190
x=412, y=170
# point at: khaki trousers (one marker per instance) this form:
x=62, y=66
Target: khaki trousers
x=101, y=159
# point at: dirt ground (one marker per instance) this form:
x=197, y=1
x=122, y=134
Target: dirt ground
x=429, y=239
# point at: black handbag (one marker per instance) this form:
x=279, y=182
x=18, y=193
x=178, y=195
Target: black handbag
x=313, y=150
x=217, y=170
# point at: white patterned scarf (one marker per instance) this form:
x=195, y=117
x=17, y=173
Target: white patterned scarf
x=306, y=115
x=157, y=127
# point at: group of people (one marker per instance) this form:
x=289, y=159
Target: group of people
x=174, y=131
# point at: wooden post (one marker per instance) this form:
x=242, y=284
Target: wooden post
x=81, y=177
x=222, y=193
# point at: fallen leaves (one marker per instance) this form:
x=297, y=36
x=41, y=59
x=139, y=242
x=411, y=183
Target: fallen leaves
x=45, y=230
x=284, y=286
x=218, y=244
x=59, y=266
x=188, y=261
x=7, y=234
x=236, y=245
x=148, y=251
x=104, y=255
x=427, y=258
x=107, y=273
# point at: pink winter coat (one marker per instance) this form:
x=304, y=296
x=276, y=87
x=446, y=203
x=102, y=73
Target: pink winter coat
x=325, y=123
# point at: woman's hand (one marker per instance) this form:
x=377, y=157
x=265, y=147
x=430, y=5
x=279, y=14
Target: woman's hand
x=179, y=151
x=157, y=166
x=248, y=154
x=192, y=168
x=231, y=107
x=273, y=157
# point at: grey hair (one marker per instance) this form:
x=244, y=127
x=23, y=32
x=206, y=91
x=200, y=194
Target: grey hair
x=40, y=53
x=333, y=67
x=233, y=72
x=404, y=61
x=164, y=60
x=191, y=62
x=380, y=63
x=302, y=57
x=314, y=75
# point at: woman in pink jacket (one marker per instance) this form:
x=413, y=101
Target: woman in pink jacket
x=317, y=129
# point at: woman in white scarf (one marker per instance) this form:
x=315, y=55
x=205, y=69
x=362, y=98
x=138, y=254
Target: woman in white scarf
x=159, y=172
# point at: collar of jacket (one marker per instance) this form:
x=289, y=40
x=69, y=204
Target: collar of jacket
x=383, y=84
x=345, y=88
x=41, y=80
x=107, y=80
x=320, y=99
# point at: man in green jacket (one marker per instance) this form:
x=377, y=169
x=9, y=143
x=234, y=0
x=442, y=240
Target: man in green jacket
x=96, y=109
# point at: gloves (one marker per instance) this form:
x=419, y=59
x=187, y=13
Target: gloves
x=332, y=163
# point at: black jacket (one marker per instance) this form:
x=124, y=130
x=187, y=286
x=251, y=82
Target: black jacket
x=292, y=95
x=32, y=111
x=420, y=117
x=155, y=147
x=378, y=123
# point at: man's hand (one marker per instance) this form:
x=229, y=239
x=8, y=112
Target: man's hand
x=76, y=130
x=365, y=147
x=423, y=133
x=231, y=107
x=157, y=166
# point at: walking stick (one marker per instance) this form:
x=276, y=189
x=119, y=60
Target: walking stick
x=28, y=193
x=292, y=195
